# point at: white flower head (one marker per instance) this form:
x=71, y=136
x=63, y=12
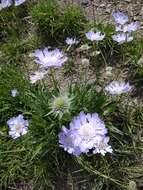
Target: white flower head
x=133, y=26
x=121, y=28
x=50, y=58
x=98, y=36
x=36, y=76
x=108, y=71
x=118, y=28
x=120, y=18
x=14, y=92
x=117, y=88
x=18, y=126
x=103, y=147
x=84, y=47
x=122, y=37
x=71, y=41
x=85, y=61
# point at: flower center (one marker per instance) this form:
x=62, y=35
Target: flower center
x=102, y=145
x=18, y=127
x=59, y=103
x=87, y=131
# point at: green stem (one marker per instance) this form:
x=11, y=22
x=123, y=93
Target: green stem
x=104, y=59
x=90, y=169
x=96, y=70
x=55, y=82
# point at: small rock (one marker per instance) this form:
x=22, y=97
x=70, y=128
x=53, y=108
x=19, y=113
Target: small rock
x=102, y=5
x=108, y=11
x=128, y=1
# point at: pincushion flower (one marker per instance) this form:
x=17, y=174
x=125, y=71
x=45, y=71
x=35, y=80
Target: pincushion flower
x=18, y=126
x=14, y=92
x=103, y=147
x=122, y=37
x=117, y=88
x=8, y=3
x=88, y=128
x=123, y=28
x=98, y=36
x=61, y=104
x=50, y=58
x=5, y=3
x=66, y=140
x=71, y=41
x=37, y=75
x=86, y=132
x=120, y=18
x=132, y=27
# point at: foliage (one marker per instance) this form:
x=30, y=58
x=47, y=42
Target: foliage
x=54, y=24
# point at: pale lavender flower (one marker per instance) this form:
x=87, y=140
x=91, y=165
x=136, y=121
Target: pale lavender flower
x=132, y=27
x=87, y=132
x=66, y=140
x=122, y=28
x=119, y=28
x=50, y=58
x=117, y=88
x=122, y=37
x=18, y=126
x=88, y=128
x=37, y=75
x=98, y=36
x=71, y=41
x=120, y=18
x=102, y=146
x=19, y=2
x=5, y=3
x=8, y=3
x=14, y=92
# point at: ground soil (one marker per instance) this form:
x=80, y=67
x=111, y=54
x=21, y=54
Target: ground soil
x=104, y=8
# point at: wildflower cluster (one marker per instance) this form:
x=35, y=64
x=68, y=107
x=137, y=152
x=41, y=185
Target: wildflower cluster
x=124, y=29
x=73, y=117
x=87, y=132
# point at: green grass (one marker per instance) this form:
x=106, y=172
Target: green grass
x=54, y=24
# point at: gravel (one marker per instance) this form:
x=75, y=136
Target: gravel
x=103, y=8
